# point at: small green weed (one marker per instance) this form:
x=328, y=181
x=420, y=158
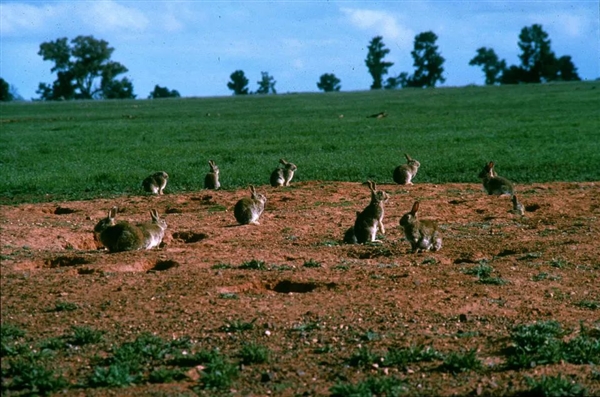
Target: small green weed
x=31, y=376
x=401, y=357
x=363, y=357
x=535, y=344
x=559, y=263
x=254, y=354
x=237, y=326
x=312, y=264
x=554, y=386
x=218, y=374
x=461, y=362
x=482, y=270
x=52, y=344
x=221, y=266
x=62, y=306
x=116, y=375
x=253, y=264
x=545, y=276
x=84, y=335
x=588, y=304
x=372, y=386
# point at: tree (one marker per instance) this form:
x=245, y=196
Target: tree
x=238, y=83
x=328, y=82
x=79, y=66
x=266, y=84
x=427, y=60
x=5, y=94
x=492, y=66
x=163, y=92
x=377, y=67
x=538, y=62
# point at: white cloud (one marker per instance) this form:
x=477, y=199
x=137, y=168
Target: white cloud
x=381, y=23
x=108, y=16
x=16, y=18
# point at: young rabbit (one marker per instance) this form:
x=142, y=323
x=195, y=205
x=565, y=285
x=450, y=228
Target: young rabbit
x=494, y=184
x=403, y=174
x=156, y=182
x=283, y=176
x=518, y=207
x=371, y=218
x=123, y=236
x=211, y=180
x=249, y=209
x=422, y=234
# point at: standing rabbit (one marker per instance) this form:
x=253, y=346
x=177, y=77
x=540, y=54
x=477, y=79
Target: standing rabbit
x=156, y=182
x=211, y=180
x=494, y=184
x=370, y=220
x=283, y=176
x=403, y=174
x=248, y=209
x=124, y=236
x=422, y=234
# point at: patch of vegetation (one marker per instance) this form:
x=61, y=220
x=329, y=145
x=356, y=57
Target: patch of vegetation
x=119, y=374
x=553, y=386
x=401, y=357
x=457, y=362
x=371, y=386
x=483, y=271
x=165, y=375
x=253, y=264
x=253, y=353
x=9, y=335
x=221, y=266
x=229, y=295
x=84, y=335
x=545, y=276
x=30, y=375
x=218, y=374
x=363, y=358
x=63, y=306
x=312, y=264
x=559, y=263
x=237, y=326
x=588, y=304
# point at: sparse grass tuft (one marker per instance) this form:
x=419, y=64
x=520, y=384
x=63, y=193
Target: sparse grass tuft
x=553, y=386
x=84, y=335
x=62, y=306
x=457, y=362
x=237, y=326
x=312, y=264
x=416, y=353
x=253, y=353
x=588, y=304
x=253, y=264
x=372, y=386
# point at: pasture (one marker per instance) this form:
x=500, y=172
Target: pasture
x=508, y=307
x=82, y=150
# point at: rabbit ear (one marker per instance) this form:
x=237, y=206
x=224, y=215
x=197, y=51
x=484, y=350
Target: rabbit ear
x=252, y=190
x=490, y=165
x=112, y=213
x=371, y=185
x=407, y=157
x=154, y=214
x=415, y=208
x=282, y=161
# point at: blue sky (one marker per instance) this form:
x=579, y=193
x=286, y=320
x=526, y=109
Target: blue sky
x=194, y=46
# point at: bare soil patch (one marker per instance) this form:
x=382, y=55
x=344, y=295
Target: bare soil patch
x=312, y=300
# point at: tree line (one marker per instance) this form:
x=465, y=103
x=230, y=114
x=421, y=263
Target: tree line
x=84, y=69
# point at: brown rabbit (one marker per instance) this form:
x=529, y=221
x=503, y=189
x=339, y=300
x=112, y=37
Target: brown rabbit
x=248, y=209
x=124, y=236
x=156, y=182
x=494, y=184
x=370, y=220
x=283, y=176
x=518, y=207
x=403, y=174
x=211, y=180
x=423, y=235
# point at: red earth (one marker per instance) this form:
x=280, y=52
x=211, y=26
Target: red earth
x=313, y=301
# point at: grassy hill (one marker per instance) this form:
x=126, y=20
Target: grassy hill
x=85, y=149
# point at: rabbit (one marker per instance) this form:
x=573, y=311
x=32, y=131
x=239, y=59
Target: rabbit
x=518, y=207
x=371, y=218
x=248, y=209
x=156, y=182
x=283, y=176
x=403, y=174
x=124, y=236
x=211, y=180
x=494, y=184
x=422, y=234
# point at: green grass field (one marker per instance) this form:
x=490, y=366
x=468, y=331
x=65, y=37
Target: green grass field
x=86, y=149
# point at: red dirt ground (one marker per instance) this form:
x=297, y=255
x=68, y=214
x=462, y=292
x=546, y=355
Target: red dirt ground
x=49, y=255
